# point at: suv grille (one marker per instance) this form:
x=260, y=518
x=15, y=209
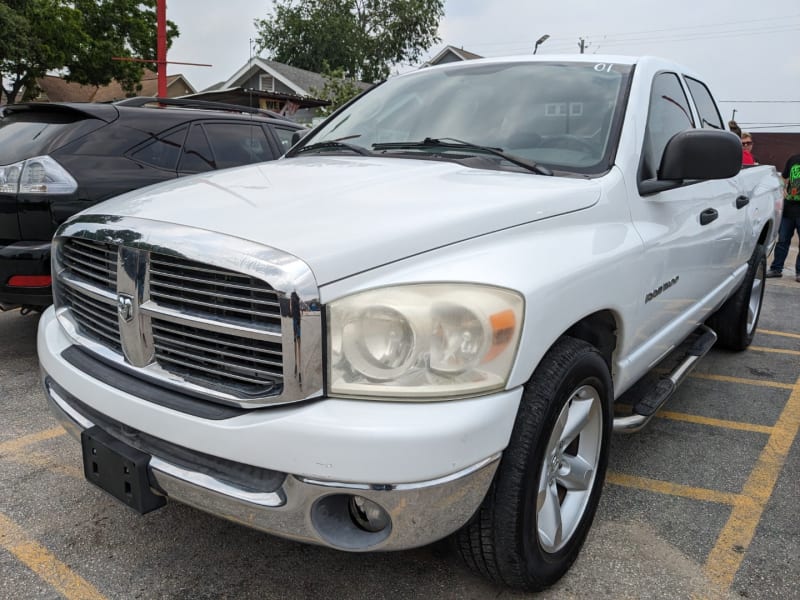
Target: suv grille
x=214, y=328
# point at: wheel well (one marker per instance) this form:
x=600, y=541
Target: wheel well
x=764, y=232
x=598, y=329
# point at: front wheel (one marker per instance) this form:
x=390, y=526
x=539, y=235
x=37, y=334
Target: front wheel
x=542, y=501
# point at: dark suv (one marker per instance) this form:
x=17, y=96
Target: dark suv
x=58, y=158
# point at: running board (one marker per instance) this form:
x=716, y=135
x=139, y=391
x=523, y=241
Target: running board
x=663, y=389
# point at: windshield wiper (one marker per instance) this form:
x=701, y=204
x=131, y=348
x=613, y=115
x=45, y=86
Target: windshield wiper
x=334, y=144
x=448, y=142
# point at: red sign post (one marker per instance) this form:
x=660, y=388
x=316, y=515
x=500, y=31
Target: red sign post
x=161, y=61
x=161, y=47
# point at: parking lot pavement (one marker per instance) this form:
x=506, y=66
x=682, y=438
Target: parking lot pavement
x=700, y=504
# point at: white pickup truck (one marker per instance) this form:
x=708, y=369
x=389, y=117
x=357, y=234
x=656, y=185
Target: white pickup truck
x=417, y=323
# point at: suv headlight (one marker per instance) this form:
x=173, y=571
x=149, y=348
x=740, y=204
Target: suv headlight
x=426, y=341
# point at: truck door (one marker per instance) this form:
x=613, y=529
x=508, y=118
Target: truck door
x=736, y=208
x=756, y=199
x=689, y=232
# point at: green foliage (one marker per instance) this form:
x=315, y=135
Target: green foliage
x=78, y=38
x=338, y=89
x=363, y=38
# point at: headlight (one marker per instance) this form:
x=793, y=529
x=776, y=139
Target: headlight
x=427, y=341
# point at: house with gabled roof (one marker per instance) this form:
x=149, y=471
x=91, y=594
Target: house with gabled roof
x=271, y=85
x=57, y=89
x=271, y=76
x=450, y=54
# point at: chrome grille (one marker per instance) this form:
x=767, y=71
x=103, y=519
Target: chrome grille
x=211, y=314
x=95, y=265
x=197, y=288
x=93, y=262
x=95, y=319
x=180, y=306
x=253, y=366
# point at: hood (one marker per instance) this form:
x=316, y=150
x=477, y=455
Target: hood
x=345, y=215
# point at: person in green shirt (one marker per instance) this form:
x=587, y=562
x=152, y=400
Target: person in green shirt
x=790, y=221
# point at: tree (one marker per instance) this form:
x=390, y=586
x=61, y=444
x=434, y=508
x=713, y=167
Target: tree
x=338, y=89
x=363, y=38
x=78, y=38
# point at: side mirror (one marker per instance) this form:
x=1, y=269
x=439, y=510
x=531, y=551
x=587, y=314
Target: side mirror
x=701, y=154
x=299, y=135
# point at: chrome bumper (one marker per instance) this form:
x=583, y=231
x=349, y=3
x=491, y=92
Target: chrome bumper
x=315, y=511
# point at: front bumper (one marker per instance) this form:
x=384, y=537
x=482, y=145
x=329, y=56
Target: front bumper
x=428, y=466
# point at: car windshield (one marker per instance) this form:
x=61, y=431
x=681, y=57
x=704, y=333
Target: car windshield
x=558, y=114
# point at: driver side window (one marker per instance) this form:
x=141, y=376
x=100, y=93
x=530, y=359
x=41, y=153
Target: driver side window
x=669, y=113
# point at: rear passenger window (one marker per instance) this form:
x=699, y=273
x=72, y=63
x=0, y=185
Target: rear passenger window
x=237, y=144
x=197, y=156
x=163, y=151
x=709, y=115
x=284, y=137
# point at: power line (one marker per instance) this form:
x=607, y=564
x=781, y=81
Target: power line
x=748, y=22
x=763, y=101
x=777, y=126
x=605, y=40
x=779, y=22
x=675, y=34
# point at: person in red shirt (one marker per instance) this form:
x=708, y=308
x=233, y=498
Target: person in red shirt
x=747, y=149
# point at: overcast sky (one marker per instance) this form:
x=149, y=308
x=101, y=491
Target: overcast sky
x=747, y=50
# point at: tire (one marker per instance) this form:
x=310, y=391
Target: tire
x=514, y=539
x=736, y=321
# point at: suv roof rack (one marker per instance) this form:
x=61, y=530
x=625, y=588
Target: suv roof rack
x=140, y=101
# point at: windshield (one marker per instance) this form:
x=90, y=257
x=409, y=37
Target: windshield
x=557, y=114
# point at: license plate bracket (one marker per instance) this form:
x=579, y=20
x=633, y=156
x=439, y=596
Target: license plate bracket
x=119, y=470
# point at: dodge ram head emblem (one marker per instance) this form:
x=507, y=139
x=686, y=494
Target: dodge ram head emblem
x=125, y=307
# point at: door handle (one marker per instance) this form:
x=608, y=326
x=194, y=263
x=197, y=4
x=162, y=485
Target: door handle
x=742, y=201
x=708, y=215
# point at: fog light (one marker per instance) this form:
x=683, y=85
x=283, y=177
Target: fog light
x=368, y=515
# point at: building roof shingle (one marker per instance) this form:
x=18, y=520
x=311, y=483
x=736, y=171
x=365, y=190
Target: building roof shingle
x=58, y=89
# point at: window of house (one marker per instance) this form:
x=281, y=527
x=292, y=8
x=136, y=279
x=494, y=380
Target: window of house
x=266, y=83
x=709, y=114
x=669, y=113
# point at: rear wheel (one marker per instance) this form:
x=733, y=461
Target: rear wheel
x=541, y=504
x=736, y=321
